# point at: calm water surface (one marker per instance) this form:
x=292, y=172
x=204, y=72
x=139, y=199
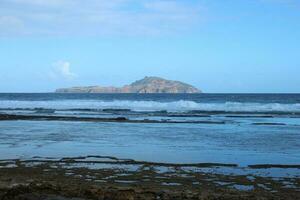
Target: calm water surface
x=235, y=128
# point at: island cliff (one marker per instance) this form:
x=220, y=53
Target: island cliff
x=145, y=85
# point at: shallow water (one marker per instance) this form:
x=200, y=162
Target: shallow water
x=239, y=129
x=175, y=143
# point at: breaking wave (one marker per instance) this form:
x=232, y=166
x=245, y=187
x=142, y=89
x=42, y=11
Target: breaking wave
x=175, y=106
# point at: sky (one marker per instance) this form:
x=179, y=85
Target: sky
x=219, y=46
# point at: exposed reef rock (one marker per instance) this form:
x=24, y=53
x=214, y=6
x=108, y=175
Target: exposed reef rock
x=146, y=85
x=110, y=178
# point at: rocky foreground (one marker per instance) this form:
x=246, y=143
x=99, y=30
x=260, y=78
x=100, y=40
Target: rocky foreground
x=109, y=178
x=146, y=85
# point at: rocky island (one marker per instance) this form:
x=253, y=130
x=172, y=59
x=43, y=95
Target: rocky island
x=145, y=85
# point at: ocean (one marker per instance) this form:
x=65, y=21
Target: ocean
x=242, y=129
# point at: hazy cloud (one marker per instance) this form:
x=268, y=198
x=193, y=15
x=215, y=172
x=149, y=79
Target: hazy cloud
x=94, y=17
x=10, y=25
x=283, y=2
x=62, y=69
x=278, y=1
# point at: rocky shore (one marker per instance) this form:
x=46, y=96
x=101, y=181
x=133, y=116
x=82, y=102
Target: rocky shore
x=97, y=177
x=6, y=117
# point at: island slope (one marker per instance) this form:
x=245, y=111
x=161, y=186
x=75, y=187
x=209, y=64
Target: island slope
x=145, y=85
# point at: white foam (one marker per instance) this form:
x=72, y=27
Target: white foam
x=152, y=105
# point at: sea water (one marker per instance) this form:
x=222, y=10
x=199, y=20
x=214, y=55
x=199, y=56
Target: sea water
x=241, y=129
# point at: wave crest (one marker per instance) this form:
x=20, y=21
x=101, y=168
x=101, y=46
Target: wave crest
x=175, y=106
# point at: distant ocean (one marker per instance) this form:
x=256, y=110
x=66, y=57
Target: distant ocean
x=225, y=128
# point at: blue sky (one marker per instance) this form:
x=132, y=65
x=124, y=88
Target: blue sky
x=216, y=45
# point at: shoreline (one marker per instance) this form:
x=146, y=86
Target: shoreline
x=105, y=177
x=115, y=160
x=178, y=147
